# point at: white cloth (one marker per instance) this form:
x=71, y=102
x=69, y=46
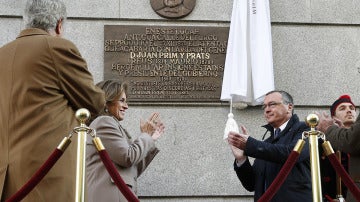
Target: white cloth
x=248, y=73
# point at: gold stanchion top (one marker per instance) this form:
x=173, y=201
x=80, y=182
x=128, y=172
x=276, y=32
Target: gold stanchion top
x=82, y=115
x=312, y=120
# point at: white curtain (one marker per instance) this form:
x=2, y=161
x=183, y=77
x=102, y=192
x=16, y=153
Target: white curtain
x=248, y=73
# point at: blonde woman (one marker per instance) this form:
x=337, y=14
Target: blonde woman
x=130, y=156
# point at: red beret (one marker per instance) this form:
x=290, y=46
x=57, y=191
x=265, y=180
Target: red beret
x=341, y=99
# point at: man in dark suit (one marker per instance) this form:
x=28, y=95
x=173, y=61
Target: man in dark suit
x=272, y=153
x=43, y=81
x=346, y=140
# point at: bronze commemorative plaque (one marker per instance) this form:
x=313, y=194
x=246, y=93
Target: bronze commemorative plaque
x=173, y=8
x=166, y=64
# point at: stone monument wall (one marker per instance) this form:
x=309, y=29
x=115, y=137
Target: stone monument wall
x=316, y=52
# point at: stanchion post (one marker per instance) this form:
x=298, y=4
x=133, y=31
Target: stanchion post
x=82, y=115
x=312, y=120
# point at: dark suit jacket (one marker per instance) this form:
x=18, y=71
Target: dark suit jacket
x=348, y=141
x=271, y=155
x=43, y=81
x=130, y=156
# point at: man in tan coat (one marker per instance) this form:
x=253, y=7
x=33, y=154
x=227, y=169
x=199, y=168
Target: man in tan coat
x=43, y=81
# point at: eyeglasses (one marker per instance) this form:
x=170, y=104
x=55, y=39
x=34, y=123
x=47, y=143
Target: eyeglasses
x=271, y=105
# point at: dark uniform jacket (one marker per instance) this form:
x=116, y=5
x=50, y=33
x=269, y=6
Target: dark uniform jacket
x=348, y=141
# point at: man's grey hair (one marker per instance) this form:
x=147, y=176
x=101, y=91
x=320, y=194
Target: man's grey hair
x=44, y=14
x=286, y=97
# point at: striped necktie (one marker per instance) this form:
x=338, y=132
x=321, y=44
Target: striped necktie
x=277, y=133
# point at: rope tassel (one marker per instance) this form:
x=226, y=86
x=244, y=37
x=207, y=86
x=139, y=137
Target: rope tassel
x=231, y=125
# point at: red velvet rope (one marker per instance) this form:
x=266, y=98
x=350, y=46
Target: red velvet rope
x=280, y=178
x=125, y=190
x=328, y=198
x=37, y=177
x=344, y=176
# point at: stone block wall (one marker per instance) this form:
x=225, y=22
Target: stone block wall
x=316, y=52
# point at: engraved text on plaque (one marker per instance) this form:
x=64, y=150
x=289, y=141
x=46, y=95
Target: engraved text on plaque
x=166, y=64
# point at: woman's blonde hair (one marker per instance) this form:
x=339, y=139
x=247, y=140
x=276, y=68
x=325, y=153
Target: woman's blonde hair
x=113, y=89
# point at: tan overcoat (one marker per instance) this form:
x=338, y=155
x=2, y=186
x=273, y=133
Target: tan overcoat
x=43, y=81
x=130, y=156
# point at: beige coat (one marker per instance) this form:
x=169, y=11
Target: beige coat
x=43, y=81
x=130, y=156
x=348, y=141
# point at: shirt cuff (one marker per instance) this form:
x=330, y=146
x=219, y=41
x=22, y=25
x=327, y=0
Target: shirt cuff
x=239, y=163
